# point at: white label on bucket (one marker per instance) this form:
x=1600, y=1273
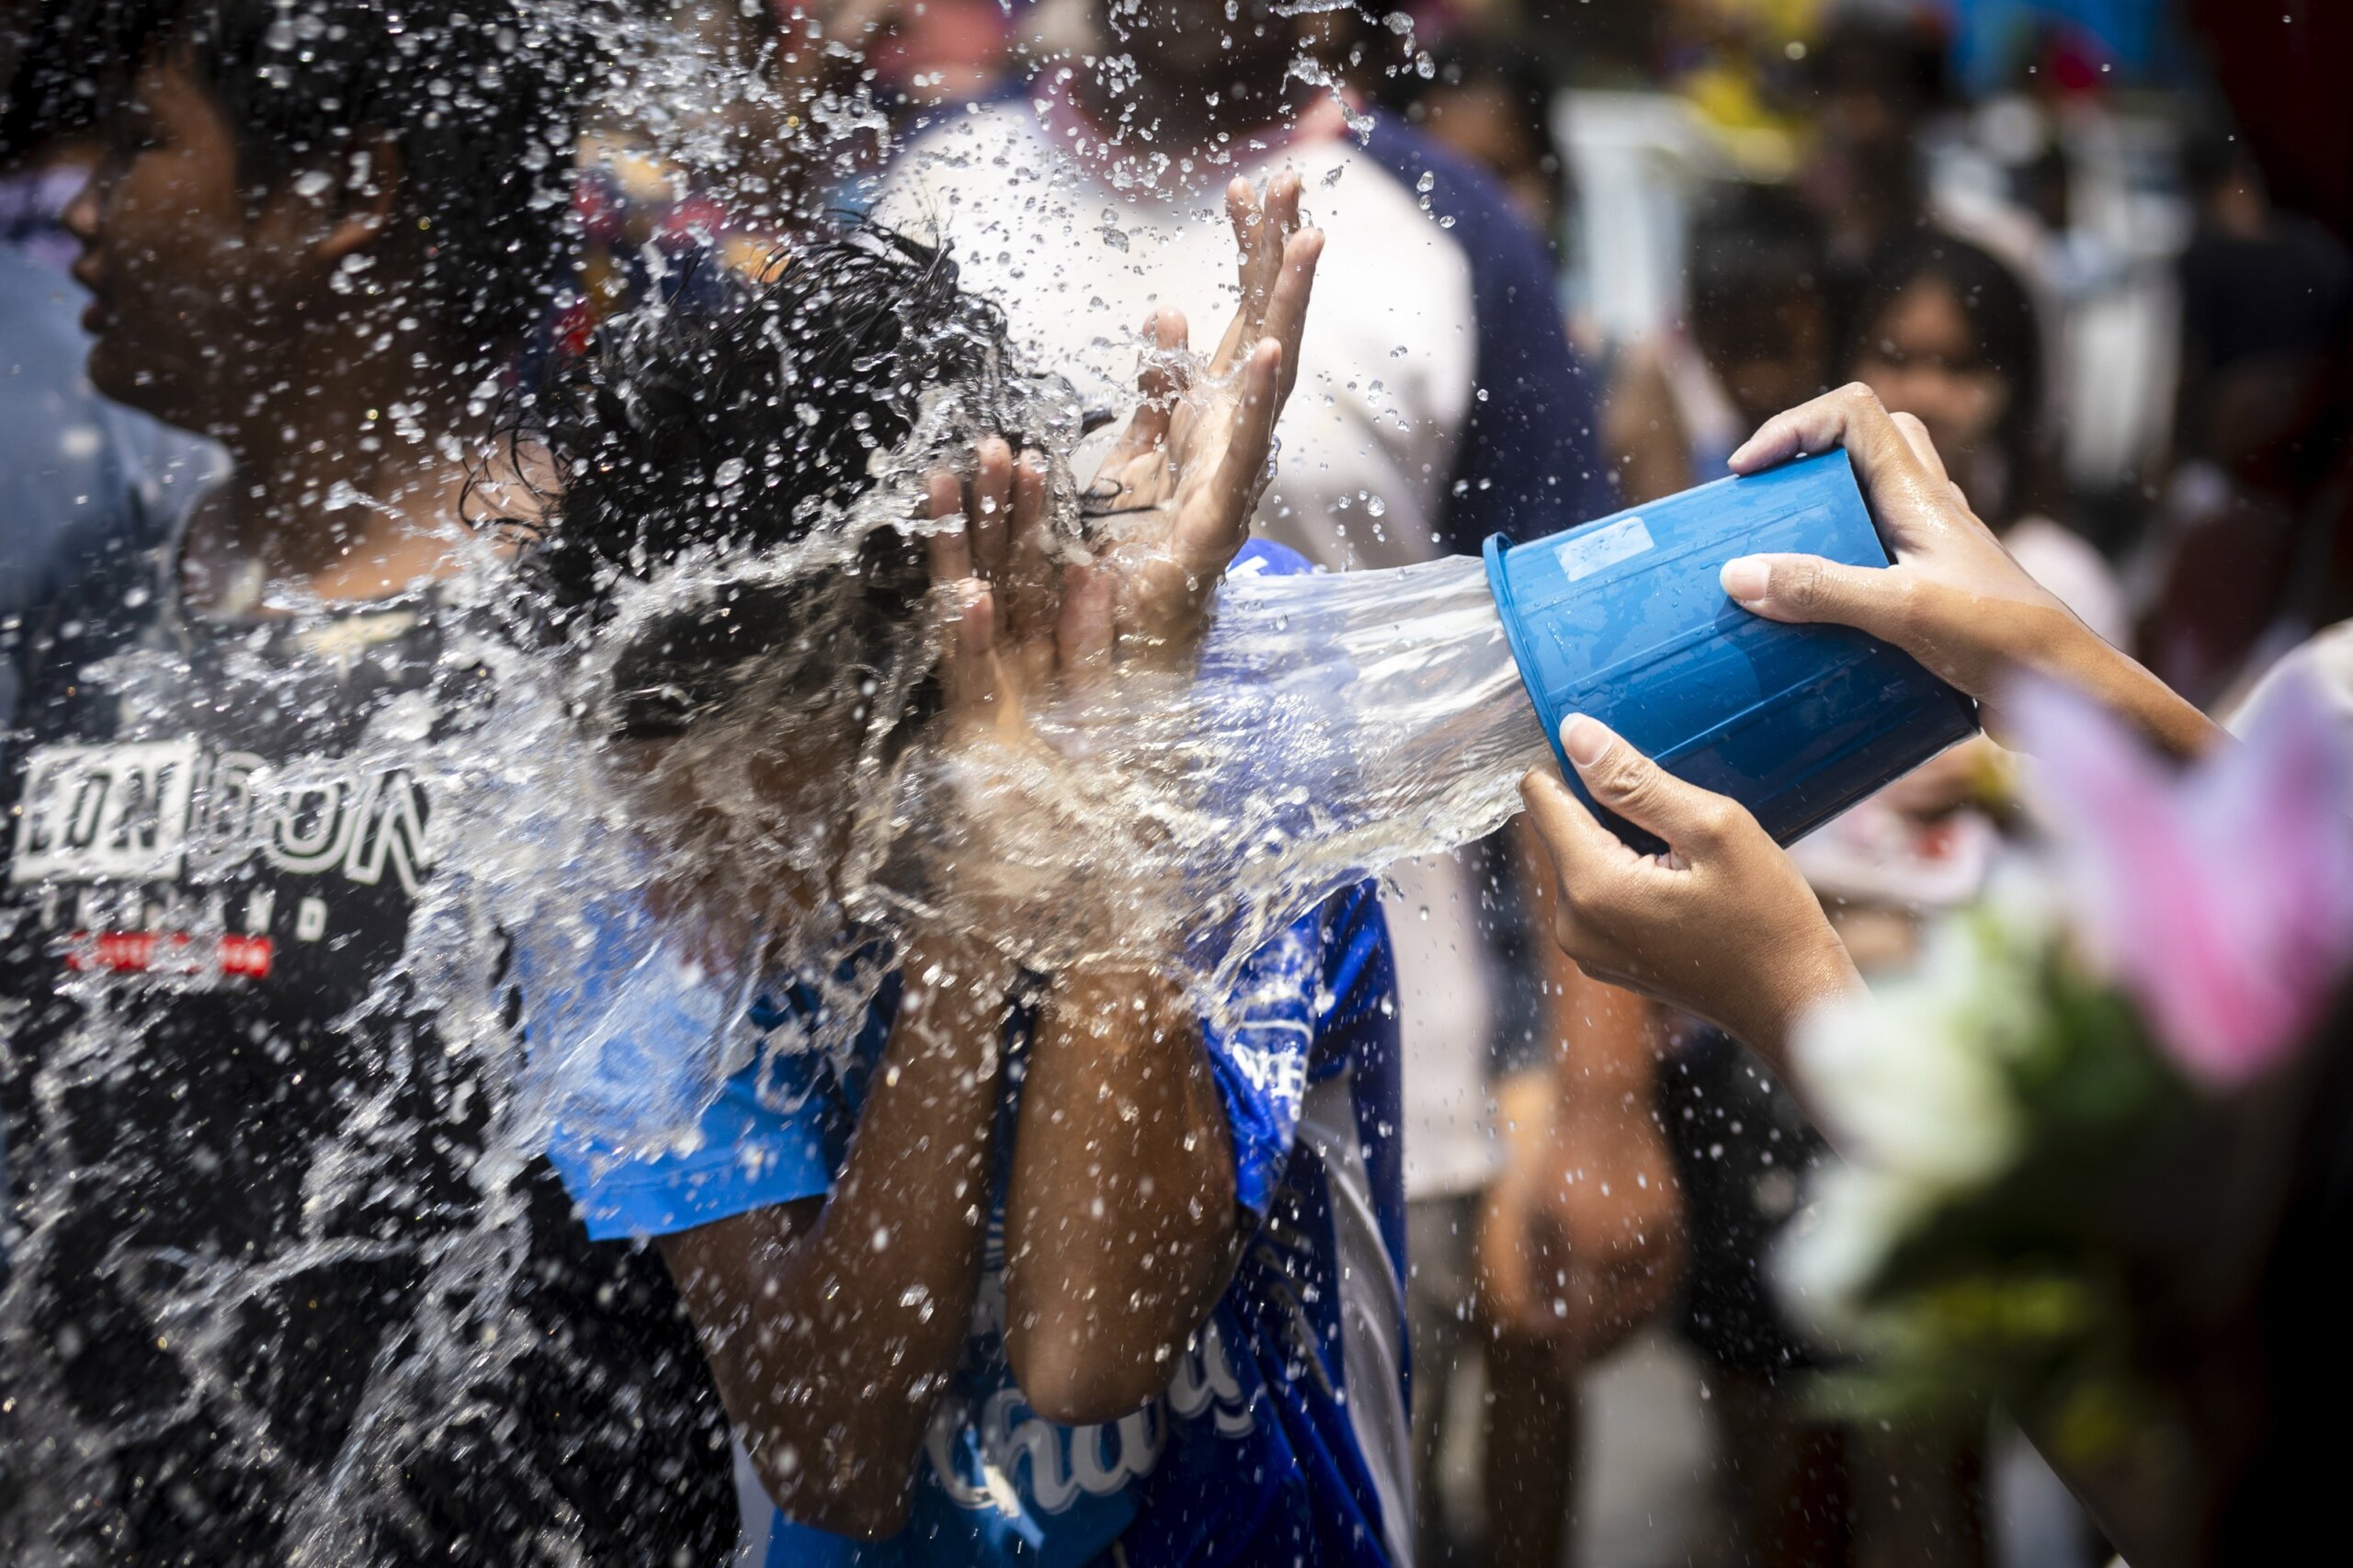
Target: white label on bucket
x=1584, y=553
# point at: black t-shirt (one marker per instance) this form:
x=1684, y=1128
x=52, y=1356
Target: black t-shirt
x=269, y=1301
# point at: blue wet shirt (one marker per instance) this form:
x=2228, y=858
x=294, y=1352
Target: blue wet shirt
x=1282, y=1438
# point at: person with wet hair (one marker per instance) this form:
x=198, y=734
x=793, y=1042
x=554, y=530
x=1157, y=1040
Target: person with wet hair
x=285, y=1288
x=1442, y=401
x=994, y=1259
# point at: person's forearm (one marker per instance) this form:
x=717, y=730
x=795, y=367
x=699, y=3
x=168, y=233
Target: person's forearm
x=1604, y=1041
x=1120, y=1219
x=832, y=1344
x=2126, y=687
x=1787, y=989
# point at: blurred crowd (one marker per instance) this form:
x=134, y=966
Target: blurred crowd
x=2050, y=233
x=2098, y=248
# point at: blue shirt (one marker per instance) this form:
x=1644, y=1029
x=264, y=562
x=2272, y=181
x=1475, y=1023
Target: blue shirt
x=80, y=477
x=1282, y=1437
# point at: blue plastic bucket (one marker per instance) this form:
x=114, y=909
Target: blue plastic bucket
x=1625, y=620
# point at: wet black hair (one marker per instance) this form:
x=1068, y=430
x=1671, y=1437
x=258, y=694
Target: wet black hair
x=1999, y=310
x=481, y=98
x=1753, y=249
x=743, y=426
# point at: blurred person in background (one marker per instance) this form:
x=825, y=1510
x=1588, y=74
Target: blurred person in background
x=81, y=476
x=1440, y=400
x=1572, y=1253
x=2251, y=550
x=1946, y=333
x=1876, y=78
x=709, y=157
x=741, y=129
x=1756, y=336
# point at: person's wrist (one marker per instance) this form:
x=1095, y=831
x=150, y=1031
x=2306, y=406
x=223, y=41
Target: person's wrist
x=1822, y=971
x=2123, y=686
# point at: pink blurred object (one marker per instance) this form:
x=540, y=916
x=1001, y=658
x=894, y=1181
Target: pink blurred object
x=2221, y=897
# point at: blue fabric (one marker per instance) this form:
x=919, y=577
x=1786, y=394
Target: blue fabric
x=744, y=1154
x=1530, y=461
x=77, y=473
x=1251, y=1457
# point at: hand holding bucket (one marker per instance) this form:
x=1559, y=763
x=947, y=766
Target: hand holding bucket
x=1626, y=619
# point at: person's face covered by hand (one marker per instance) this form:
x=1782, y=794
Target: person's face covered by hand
x=749, y=801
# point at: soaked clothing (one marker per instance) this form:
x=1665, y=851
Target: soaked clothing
x=1282, y=1438
x=269, y=1302
x=1438, y=401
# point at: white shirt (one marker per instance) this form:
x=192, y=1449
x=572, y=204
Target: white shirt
x=1079, y=248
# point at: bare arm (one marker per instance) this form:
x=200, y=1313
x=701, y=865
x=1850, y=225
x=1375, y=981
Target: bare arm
x=1121, y=1218
x=1120, y=1215
x=1642, y=431
x=1582, y=1235
x=832, y=1324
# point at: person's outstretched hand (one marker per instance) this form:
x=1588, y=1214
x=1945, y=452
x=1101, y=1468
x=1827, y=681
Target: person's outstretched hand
x=1174, y=497
x=1722, y=926
x=1954, y=599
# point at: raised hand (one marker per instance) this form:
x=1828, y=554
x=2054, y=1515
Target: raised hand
x=1174, y=497
x=1020, y=621
x=1022, y=636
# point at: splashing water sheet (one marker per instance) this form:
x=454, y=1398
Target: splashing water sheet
x=1334, y=725
x=569, y=929
x=1331, y=725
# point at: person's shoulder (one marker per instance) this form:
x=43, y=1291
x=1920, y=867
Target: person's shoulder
x=1459, y=195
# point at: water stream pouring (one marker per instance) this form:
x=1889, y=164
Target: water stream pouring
x=1624, y=619
x=1338, y=723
